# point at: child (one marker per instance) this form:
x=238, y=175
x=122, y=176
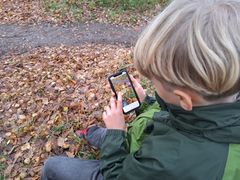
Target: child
x=191, y=53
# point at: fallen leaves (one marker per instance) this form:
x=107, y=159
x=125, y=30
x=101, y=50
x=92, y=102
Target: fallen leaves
x=35, y=11
x=22, y=11
x=48, y=146
x=10, y=167
x=61, y=143
x=45, y=96
x=25, y=147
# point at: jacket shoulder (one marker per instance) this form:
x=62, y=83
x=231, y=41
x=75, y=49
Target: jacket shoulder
x=178, y=154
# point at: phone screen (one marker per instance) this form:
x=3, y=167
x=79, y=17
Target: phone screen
x=121, y=83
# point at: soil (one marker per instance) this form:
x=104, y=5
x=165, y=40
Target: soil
x=18, y=39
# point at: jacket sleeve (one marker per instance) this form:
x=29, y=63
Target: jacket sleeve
x=145, y=105
x=117, y=164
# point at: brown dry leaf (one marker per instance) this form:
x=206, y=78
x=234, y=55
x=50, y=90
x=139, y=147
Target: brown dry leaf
x=45, y=101
x=65, y=146
x=48, y=146
x=27, y=161
x=26, y=146
x=65, y=109
x=70, y=154
x=22, y=175
x=8, y=134
x=61, y=143
x=22, y=117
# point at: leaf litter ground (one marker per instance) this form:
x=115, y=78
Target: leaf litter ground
x=60, y=12
x=45, y=96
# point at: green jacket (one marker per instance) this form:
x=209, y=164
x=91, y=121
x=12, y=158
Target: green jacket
x=203, y=144
x=135, y=134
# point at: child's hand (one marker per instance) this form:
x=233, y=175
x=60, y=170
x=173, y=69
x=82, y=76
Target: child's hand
x=139, y=89
x=113, y=116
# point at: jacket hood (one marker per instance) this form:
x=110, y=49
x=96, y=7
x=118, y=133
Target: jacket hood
x=219, y=123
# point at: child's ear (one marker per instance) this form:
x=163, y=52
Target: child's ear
x=185, y=100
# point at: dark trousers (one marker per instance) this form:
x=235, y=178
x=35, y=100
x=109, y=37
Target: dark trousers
x=64, y=168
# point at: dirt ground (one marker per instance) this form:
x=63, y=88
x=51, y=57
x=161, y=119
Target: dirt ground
x=18, y=39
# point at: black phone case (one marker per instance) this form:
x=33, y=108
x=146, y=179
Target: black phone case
x=113, y=89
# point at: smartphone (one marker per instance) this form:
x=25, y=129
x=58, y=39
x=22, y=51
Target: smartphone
x=121, y=82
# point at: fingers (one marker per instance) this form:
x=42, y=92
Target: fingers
x=113, y=106
x=132, y=78
x=135, y=81
x=104, y=115
x=108, y=109
x=112, y=103
x=119, y=101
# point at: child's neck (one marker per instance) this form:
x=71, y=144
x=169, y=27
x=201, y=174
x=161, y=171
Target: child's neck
x=203, y=102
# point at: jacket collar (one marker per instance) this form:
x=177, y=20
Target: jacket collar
x=220, y=122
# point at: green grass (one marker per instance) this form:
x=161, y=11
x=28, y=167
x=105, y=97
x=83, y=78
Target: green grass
x=62, y=8
x=134, y=5
x=89, y=9
x=59, y=128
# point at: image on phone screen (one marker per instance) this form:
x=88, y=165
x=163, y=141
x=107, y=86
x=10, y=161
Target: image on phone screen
x=121, y=83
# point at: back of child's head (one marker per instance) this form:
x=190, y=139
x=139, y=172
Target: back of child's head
x=194, y=44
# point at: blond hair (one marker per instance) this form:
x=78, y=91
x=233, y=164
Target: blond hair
x=194, y=44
